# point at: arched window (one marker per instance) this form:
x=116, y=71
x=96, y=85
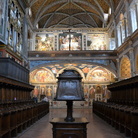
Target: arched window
x=119, y=35
x=122, y=29
x=133, y=14
x=133, y=18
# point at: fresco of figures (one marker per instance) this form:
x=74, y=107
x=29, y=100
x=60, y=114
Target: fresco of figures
x=72, y=39
x=44, y=42
x=94, y=79
x=99, y=75
x=42, y=75
x=97, y=41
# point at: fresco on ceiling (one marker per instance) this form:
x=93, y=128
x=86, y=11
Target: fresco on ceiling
x=97, y=42
x=41, y=76
x=70, y=41
x=44, y=42
x=99, y=75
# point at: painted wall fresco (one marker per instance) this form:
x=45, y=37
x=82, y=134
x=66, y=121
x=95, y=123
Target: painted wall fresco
x=95, y=79
x=90, y=73
x=41, y=76
x=104, y=62
x=97, y=41
x=70, y=41
x=44, y=42
x=73, y=41
x=99, y=75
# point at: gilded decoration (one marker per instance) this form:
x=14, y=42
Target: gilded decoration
x=16, y=15
x=125, y=68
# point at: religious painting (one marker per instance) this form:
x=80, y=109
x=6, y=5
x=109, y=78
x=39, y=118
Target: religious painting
x=44, y=42
x=97, y=41
x=98, y=89
x=92, y=92
x=106, y=93
x=70, y=41
x=99, y=75
x=91, y=74
x=43, y=90
x=41, y=76
x=49, y=92
x=2, y=19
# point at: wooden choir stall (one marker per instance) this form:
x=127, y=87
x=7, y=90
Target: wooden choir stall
x=17, y=110
x=121, y=110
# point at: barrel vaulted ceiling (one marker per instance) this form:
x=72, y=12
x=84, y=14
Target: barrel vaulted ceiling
x=71, y=13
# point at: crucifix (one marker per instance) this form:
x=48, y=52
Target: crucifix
x=69, y=34
x=69, y=39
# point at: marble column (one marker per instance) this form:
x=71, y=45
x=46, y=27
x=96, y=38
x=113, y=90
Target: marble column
x=118, y=68
x=132, y=61
x=136, y=10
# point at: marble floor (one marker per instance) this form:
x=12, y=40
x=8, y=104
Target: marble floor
x=97, y=128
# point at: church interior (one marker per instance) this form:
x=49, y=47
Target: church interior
x=40, y=39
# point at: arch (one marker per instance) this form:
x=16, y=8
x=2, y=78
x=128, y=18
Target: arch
x=125, y=68
x=42, y=75
x=100, y=74
x=113, y=70
x=74, y=68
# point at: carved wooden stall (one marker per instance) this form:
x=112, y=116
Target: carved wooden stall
x=17, y=110
x=121, y=110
